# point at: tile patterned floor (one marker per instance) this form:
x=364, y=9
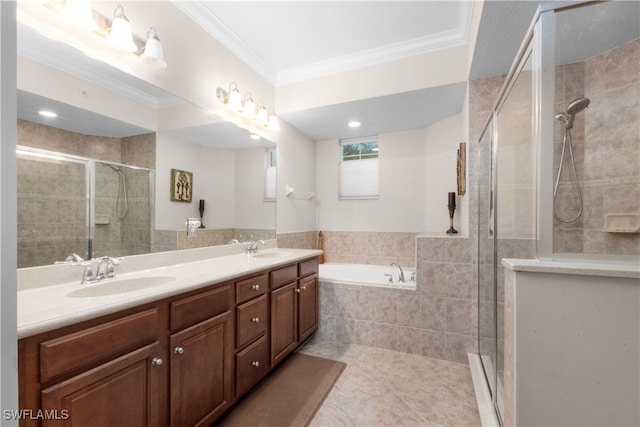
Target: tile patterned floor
x=386, y=388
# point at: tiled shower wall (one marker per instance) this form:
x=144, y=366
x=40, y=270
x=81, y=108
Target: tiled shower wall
x=606, y=140
x=51, y=197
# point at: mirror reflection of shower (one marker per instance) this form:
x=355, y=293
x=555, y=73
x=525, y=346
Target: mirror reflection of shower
x=122, y=203
x=567, y=118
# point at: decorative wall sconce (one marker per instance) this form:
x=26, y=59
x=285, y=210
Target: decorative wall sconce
x=258, y=112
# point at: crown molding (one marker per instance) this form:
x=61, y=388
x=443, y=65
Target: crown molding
x=218, y=29
x=392, y=52
x=42, y=53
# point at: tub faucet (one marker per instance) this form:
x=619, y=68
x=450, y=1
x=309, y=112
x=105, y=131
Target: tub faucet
x=400, y=272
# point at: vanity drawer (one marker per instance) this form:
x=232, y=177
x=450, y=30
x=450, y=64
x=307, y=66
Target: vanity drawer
x=252, y=320
x=252, y=364
x=97, y=344
x=251, y=288
x=282, y=276
x=191, y=310
x=307, y=267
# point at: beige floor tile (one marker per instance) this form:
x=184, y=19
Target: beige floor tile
x=382, y=388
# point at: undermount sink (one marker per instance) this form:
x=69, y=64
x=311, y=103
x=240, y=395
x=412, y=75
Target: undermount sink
x=271, y=254
x=119, y=286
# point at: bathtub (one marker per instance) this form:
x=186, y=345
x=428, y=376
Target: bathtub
x=366, y=275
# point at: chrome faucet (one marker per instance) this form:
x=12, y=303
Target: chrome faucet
x=400, y=272
x=252, y=247
x=104, y=269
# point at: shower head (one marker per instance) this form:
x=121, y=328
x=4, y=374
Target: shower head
x=574, y=108
x=577, y=105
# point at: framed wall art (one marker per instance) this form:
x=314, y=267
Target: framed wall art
x=461, y=169
x=181, y=186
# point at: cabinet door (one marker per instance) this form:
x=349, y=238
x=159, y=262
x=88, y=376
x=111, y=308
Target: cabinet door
x=284, y=323
x=126, y=391
x=307, y=307
x=201, y=372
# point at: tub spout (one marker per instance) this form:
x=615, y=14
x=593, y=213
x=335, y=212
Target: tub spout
x=400, y=272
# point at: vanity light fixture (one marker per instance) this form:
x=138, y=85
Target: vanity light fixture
x=79, y=14
x=262, y=117
x=120, y=35
x=248, y=107
x=152, y=53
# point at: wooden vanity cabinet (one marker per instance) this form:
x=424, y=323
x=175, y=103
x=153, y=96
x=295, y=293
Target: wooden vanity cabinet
x=252, y=332
x=294, y=307
x=181, y=361
x=111, y=370
x=201, y=378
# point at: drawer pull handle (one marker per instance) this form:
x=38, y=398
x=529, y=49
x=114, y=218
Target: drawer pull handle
x=255, y=363
x=156, y=361
x=256, y=320
x=255, y=287
x=178, y=350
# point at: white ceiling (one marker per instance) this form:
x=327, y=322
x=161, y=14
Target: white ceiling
x=288, y=42
x=295, y=40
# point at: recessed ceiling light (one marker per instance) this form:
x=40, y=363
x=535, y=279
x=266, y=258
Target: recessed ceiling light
x=255, y=137
x=354, y=124
x=47, y=113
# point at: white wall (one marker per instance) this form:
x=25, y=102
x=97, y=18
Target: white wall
x=252, y=211
x=213, y=172
x=441, y=144
x=417, y=170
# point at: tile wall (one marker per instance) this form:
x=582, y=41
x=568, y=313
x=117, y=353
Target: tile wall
x=606, y=140
x=51, y=196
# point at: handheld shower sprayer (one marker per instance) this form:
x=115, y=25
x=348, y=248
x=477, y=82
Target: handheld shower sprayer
x=567, y=118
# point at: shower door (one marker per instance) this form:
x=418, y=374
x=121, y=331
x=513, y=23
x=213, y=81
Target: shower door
x=53, y=208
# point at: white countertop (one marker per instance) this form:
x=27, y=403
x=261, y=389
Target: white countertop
x=624, y=270
x=45, y=308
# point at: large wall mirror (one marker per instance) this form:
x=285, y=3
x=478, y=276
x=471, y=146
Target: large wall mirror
x=94, y=185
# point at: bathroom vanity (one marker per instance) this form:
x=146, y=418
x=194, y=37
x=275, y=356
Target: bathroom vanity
x=178, y=353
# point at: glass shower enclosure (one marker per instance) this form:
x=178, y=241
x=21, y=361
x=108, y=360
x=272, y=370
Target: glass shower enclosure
x=71, y=204
x=559, y=158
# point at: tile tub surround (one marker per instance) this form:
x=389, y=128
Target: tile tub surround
x=381, y=387
x=438, y=320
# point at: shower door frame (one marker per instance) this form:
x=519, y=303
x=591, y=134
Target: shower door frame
x=90, y=187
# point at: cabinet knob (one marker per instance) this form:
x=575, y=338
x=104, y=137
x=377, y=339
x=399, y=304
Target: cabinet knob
x=178, y=350
x=255, y=363
x=255, y=287
x=303, y=287
x=256, y=320
x=298, y=290
x=156, y=361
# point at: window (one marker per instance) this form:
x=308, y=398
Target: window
x=270, y=176
x=359, y=168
